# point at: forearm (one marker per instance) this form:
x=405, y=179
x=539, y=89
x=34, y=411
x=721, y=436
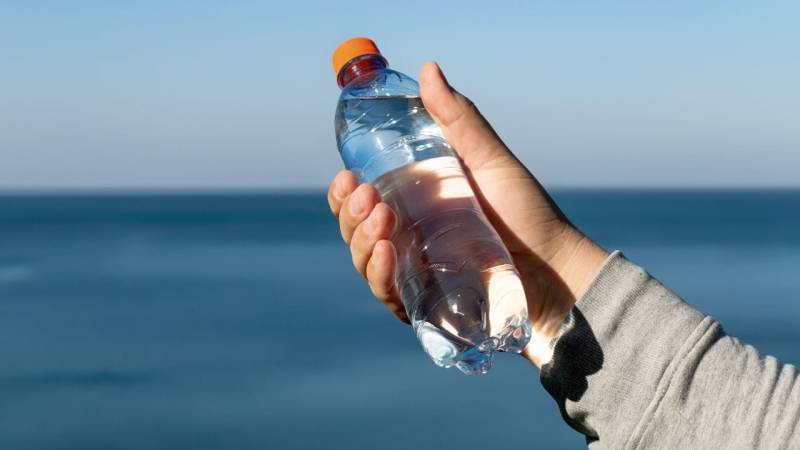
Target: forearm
x=635, y=366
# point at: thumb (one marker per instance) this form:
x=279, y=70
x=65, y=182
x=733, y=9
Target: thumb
x=463, y=125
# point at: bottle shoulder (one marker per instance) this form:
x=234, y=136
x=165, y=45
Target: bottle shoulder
x=380, y=83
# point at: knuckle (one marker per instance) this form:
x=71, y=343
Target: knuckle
x=359, y=257
x=375, y=284
x=369, y=192
x=356, y=264
x=353, y=245
x=333, y=205
x=345, y=231
x=387, y=219
x=377, y=293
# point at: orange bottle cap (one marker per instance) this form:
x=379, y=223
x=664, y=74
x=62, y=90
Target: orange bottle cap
x=352, y=48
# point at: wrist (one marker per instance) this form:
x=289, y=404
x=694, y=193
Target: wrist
x=581, y=261
x=558, y=284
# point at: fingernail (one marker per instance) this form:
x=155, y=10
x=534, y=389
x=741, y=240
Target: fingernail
x=370, y=224
x=379, y=254
x=356, y=205
x=338, y=191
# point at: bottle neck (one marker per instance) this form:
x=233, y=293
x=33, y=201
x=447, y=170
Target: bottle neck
x=360, y=66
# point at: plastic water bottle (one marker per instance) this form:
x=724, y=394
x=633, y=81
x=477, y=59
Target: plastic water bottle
x=456, y=279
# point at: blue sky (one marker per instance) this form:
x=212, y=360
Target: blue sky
x=241, y=94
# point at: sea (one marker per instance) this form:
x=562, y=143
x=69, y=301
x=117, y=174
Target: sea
x=234, y=320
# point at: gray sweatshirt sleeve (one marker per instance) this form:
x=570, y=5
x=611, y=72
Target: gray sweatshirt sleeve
x=636, y=367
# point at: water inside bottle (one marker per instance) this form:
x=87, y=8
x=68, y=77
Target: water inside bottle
x=379, y=134
x=455, y=276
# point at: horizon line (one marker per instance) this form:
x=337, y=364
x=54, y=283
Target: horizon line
x=178, y=191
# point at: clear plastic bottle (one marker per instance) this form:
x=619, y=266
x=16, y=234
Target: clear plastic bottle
x=456, y=278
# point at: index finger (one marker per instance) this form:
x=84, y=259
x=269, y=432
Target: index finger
x=343, y=184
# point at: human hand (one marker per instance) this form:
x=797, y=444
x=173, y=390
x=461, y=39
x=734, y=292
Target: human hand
x=555, y=260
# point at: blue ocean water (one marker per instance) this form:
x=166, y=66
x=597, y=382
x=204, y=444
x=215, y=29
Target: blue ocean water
x=236, y=321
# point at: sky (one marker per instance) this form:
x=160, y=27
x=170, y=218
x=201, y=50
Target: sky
x=241, y=95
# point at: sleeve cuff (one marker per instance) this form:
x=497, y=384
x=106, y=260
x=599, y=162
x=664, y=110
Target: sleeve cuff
x=615, y=347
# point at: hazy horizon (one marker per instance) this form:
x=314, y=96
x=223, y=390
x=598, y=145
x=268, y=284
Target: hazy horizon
x=198, y=96
x=321, y=192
